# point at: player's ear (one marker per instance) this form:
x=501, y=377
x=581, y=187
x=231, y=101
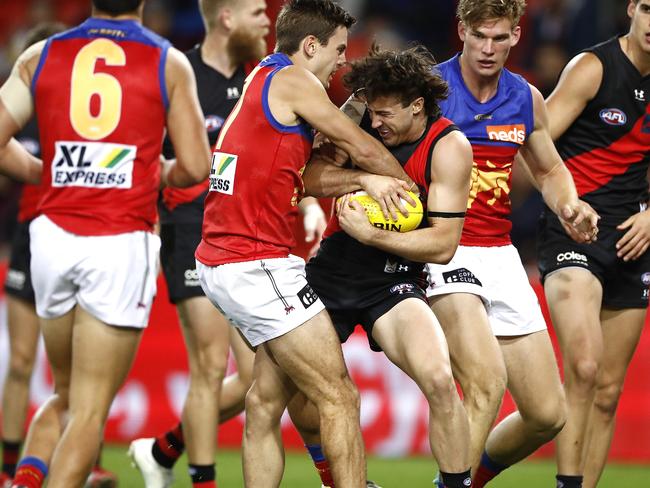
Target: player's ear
x=516, y=34
x=462, y=31
x=226, y=18
x=309, y=45
x=417, y=105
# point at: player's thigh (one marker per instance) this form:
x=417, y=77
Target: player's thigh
x=102, y=356
x=533, y=375
x=473, y=349
x=574, y=298
x=311, y=356
x=411, y=337
x=58, y=339
x=205, y=329
x=244, y=355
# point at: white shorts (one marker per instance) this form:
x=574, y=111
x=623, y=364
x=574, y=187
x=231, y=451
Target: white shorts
x=111, y=277
x=498, y=277
x=264, y=298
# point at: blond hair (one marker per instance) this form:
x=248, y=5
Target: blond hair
x=474, y=12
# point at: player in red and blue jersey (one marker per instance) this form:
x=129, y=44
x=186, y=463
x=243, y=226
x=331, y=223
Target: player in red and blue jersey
x=484, y=292
x=598, y=294
x=94, y=253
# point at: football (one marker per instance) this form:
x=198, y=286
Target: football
x=376, y=218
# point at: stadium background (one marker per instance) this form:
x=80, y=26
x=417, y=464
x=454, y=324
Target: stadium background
x=394, y=413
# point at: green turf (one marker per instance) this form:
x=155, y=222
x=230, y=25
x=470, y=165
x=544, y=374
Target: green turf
x=389, y=473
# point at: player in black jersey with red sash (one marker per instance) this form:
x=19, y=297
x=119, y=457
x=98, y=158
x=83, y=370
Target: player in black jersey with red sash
x=376, y=278
x=598, y=293
x=234, y=41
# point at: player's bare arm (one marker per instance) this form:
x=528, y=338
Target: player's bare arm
x=578, y=83
x=185, y=125
x=315, y=107
x=553, y=178
x=446, y=205
x=16, y=108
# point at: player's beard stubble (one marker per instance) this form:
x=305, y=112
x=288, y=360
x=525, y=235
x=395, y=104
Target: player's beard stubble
x=244, y=46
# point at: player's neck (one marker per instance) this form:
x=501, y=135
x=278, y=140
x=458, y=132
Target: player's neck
x=214, y=53
x=639, y=58
x=136, y=16
x=483, y=88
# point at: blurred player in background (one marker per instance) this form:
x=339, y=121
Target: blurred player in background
x=94, y=256
x=598, y=294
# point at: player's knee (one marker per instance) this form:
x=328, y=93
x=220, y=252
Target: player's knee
x=261, y=406
x=549, y=417
x=438, y=386
x=606, y=398
x=484, y=393
x=344, y=399
x=20, y=369
x=211, y=368
x=584, y=371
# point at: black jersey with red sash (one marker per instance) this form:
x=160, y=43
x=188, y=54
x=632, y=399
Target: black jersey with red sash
x=217, y=97
x=607, y=148
x=347, y=258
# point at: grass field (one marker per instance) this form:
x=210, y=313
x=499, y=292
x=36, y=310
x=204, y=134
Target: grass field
x=389, y=473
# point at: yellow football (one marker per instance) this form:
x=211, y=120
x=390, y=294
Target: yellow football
x=376, y=217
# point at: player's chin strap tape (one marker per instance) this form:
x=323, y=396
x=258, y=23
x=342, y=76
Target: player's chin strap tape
x=446, y=215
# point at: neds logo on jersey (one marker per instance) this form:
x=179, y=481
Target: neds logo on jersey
x=515, y=133
x=222, y=173
x=613, y=116
x=93, y=165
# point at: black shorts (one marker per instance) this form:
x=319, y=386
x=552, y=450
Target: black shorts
x=179, y=241
x=349, y=302
x=625, y=284
x=18, y=282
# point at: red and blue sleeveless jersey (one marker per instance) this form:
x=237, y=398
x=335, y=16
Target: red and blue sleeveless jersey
x=255, y=179
x=496, y=130
x=101, y=102
x=607, y=148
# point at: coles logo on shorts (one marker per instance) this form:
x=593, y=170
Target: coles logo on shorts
x=222, y=172
x=307, y=296
x=402, y=288
x=515, y=133
x=645, y=279
x=93, y=165
x=572, y=257
x=612, y=116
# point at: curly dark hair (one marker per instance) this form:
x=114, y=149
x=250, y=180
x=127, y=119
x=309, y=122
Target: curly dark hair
x=407, y=74
x=301, y=18
x=117, y=7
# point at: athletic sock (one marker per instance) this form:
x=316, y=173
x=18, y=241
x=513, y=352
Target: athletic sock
x=322, y=466
x=203, y=476
x=31, y=473
x=564, y=481
x=457, y=480
x=487, y=470
x=168, y=447
x=10, y=455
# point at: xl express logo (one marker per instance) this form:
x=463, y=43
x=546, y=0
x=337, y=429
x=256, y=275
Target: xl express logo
x=222, y=172
x=515, y=133
x=93, y=165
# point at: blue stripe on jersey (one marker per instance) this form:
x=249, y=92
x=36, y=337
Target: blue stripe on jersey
x=511, y=105
x=41, y=62
x=161, y=75
x=130, y=31
x=279, y=61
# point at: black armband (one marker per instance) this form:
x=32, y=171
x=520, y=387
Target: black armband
x=446, y=215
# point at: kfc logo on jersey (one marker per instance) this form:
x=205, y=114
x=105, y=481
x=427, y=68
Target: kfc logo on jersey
x=92, y=165
x=222, y=172
x=613, y=116
x=515, y=133
x=213, y=123
x=572, y=256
